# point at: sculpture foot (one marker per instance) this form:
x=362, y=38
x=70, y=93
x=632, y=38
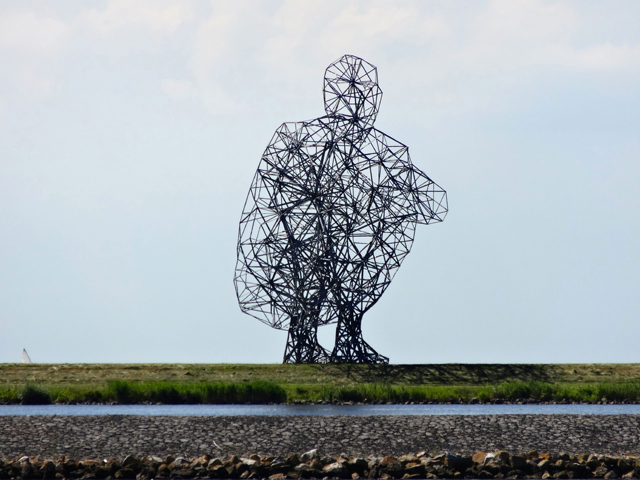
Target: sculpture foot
x=314, y=355
x=303, y=347
x=357, y=352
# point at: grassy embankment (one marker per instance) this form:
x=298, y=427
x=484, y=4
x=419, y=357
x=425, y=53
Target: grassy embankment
x=164, y=383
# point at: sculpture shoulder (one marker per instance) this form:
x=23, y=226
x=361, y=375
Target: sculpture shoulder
x=285, y=132
x=293, y=141
x=302, y=130
x=381, y=138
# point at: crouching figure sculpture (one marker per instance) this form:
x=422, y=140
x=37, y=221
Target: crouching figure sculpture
x=329, y=218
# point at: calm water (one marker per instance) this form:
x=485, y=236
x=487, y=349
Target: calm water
x=217, y=410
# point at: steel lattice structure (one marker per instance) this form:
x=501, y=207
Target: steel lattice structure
x=329, y=218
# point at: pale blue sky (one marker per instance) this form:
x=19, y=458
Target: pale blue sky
x=130, y=131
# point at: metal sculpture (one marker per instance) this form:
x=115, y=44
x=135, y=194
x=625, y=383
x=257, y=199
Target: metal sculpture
x=329, y=218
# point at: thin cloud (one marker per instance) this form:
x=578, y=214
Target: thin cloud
x=222, y=53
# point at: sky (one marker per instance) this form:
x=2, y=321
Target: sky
x=130, y=133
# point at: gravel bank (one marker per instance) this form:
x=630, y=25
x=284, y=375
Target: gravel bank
x=117, y=436
x=310, y=465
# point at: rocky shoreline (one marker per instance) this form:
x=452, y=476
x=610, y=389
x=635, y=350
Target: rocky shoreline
x=115, y=436
x=311, y=464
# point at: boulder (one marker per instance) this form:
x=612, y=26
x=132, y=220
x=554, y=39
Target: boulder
x=484, y=474
x=336, y=470
x=125, y=473
x=404, y=459
x=328, y=460
x=152, y=460
x=391, y=466
x=293, y=460
x=27, y=470
x=48, y=470
x=305, y=470
x=106, y=471
x=625, y=464
x=242, y=468
x=163, y=471
x=217, y=471
x=502, y=457
x=148, y=471
x=611, y=461
x=494, y=468
x=357, y=465
x=130, y=461
x=232, y=471
x=518, y=461
x=278, y=465
x=457, y=463
x=415, y=468
x=488, y=458
x=579, y=470
x=177, y=463
x=310, y=455
x=544, y=465
x=183, y=472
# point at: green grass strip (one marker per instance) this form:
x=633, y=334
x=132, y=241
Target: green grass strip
x=259, y=392
x=508, y=391
x=124, y=392
x=207, y=393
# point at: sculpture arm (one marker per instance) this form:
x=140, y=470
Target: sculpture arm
x=427, y=198
x=430, y=198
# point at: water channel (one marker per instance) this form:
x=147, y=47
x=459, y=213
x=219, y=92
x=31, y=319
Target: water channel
x=227, y=410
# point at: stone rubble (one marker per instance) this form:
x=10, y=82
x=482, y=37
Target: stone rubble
x=356, y=436
x=481, y=465
x=278, y=447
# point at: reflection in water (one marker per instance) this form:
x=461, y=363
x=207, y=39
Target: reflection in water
x=218, y=410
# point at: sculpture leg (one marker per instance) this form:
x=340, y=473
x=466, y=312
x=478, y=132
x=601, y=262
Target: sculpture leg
x=302, y=344
x=350, y=347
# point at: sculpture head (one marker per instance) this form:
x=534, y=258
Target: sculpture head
x=351, y=90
